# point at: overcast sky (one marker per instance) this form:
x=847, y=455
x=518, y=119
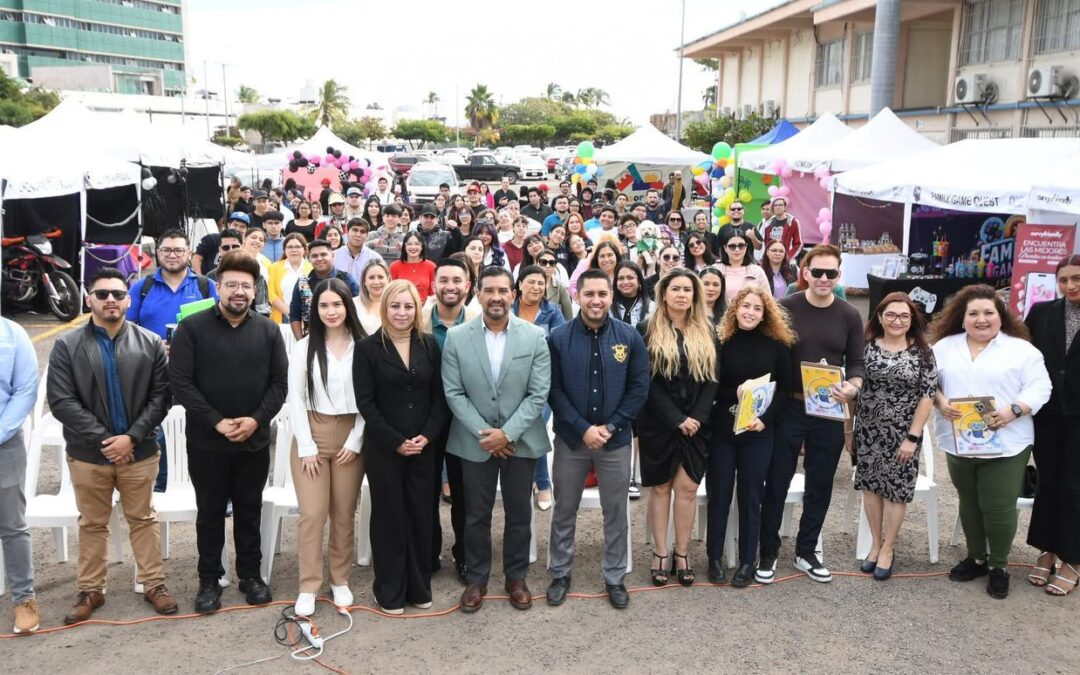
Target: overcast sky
x=395, y=52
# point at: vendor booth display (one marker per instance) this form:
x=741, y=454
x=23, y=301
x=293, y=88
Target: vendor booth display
x=325, y=156
x=643, y=160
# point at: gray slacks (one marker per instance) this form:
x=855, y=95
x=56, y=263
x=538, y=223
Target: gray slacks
x=18, y=557
x=568, y=476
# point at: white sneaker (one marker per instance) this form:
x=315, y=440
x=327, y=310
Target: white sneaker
x=392, y=612
x=766, y=571
x=343, y=598
x=813, y=568
x=422, y=605
x=305, y=604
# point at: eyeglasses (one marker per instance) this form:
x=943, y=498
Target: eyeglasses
x=229, y=247
x=245, y=286
x=735, y=247
x=168, y=251
x=103, y=294
x=893, y=317
x=817, y=273
x=546, y=262
x=669, y=258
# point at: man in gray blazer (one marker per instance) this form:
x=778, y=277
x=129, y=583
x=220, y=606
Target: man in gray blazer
x=496, y=375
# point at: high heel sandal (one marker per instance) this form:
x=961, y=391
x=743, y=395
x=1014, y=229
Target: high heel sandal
x=686, y=576
x=659, y=574
x=1041, y=580
x=1062, y=586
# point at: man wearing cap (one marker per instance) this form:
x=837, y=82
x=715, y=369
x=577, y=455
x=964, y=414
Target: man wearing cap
x=354, y=255
x=504, y=194
x=354, y=207
x=262, y=206
x=274, y=248
x=206, y=253
x=324, y=196
x=385, y=194
x=440, y=242
x=472, y=199
x=336, y=214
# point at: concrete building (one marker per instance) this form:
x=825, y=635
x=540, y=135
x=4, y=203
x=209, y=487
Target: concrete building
x=963, y=68
x=118, y=46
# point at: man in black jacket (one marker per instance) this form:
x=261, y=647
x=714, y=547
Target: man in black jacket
x=109, y=389
x=228, y=368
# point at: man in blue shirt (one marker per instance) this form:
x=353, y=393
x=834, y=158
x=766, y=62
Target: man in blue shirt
x=561, y=205
x=274, y=247
x=18, y=391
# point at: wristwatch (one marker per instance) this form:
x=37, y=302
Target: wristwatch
x=914, y=439
x=1017, y=410
x=611, y=428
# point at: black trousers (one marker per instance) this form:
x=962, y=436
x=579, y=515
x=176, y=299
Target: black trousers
x=749, y=454
x=219, y=477
x=515, y=475
x=824, y=441
x=401, y=517
x=457, y=505
x=1055, y=517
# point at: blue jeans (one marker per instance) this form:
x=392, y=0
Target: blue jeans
x=542, y=477
x=163, y=467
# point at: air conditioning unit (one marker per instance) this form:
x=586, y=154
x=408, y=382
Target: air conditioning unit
x=747, y=110
x=726, y=111
x=770, y=107
x=1044, y=82
x=970, y=88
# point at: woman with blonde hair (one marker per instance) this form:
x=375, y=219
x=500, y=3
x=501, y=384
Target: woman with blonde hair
x=684, y=354
x=373, y=280
x=756, y=337
x=398, y=378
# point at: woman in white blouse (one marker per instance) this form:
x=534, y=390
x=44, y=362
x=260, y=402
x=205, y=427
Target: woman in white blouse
x=983, y=351
x=373, y=279
x=327, y=429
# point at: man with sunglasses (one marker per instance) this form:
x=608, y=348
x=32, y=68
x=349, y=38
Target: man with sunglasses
x=109, y=388
x=207, y=252
x=830, y=331
x=738, y=226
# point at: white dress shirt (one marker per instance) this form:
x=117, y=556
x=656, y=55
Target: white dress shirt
x=337, y=398
x=1009, y=369
x=496, y=347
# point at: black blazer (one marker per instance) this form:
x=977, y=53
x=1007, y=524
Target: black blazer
x=1046, y=321
x=399, y=403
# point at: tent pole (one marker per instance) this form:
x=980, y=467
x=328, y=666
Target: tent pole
x=82, y=249
x=907, y=227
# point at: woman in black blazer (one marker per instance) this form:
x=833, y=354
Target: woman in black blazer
x=1055, y=519
x=398, y=379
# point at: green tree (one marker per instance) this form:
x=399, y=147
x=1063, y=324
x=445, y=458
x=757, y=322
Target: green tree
x=553, y=91
x=277, y=125
x=432, y=100
x=422, y=131
x=246, y=94
x=609, y=133
x=480, y=108
x=703, y=135
x=20, y=106
x=364, y=129
x=333, y=104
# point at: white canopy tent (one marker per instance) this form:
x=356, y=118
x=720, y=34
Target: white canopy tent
x=883, y=138
x=824, y=132
x=649, y=145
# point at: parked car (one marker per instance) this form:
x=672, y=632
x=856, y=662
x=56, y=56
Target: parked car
x=402, y=164
x=425, y=178
x=533, y=167
x=484, y=166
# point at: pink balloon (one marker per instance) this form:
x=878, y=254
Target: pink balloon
x=703, y=179
x=825, y=229
x=785, y=172
x=784, y=191
x=774, y=191
x=329, y=158
x=316, y=160
x=824, y=183
x=824, y=213
x=367, y=175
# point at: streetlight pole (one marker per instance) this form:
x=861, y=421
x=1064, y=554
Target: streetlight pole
x=678, y=101
x=206, y=99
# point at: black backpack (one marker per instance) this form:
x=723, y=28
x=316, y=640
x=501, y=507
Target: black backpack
x=204, y=287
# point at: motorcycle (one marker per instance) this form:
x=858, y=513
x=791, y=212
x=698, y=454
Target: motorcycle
x=31, y=271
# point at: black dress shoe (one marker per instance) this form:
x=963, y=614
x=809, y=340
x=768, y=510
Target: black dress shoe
x=743, y=576
x=617, y=595
x=461, y=572
x=867, y=566
x=998, y=583
x=208, y=599
x=556, y=592
x=716, y=572
x=968, y=569
x=255, y=591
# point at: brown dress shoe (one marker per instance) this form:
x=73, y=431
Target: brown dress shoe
x=85, y=604
x=473, y=597
x=161, y=599
x=520, y=597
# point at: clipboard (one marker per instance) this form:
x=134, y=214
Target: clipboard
x=818, y=379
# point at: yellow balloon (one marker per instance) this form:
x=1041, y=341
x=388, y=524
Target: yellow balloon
x=724, y=220
x=575, y=178
x=725, y=181
x=745, y=196
x=697, y=171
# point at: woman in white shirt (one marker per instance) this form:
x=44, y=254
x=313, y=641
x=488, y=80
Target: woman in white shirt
x=983, y=351
x=373, y=279
x=326, y=467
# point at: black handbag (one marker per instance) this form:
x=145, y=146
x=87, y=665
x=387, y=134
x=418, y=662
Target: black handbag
x=1031, y=482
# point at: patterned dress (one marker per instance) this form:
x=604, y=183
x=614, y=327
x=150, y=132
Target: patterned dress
x=895, y=384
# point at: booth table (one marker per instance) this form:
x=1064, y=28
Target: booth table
x=856, y=267
x=938, y=287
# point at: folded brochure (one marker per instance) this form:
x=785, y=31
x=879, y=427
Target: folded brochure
x=754, y=400
x=971, y=431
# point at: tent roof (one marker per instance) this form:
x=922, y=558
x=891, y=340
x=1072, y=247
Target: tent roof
x=825, y=131
x=648, y=145
x=325, y=138
x=1059, y=192
x=781, y=132
x=970, y=175
x=883, y=138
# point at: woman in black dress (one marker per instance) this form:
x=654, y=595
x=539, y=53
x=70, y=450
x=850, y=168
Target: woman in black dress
x=1055, y=519
x=895, y=402
x=683, y=352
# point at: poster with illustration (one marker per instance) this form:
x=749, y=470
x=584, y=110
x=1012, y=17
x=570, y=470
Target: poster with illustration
x=819, y=380
x=754, y=400
x=1038, y=250
x=991, y=237
x=971, y=431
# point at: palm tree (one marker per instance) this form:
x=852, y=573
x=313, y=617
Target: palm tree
x=480, y=108
x=553, y=91
x=433, y=101
x=569, y=97
x=584, y=97
x=333, y=104
x=600, y=97
x=590, y=97
x=246, y=94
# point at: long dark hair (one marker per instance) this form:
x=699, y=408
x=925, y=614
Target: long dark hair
x=377, y=223
x=526, y=257
x=786, y=272
x=718, y=307
x=622, y=303
x=317, y=335
x=951, y=319
x=708, y=258
x=413, y=234
x=916, y=332
x=748, y=256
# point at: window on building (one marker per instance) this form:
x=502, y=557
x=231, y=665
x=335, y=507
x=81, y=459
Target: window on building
x=991, y=31
x=862, y=56
x=829, y=69
x=1057, y=26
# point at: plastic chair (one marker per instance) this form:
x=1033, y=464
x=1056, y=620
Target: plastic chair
x=288, y=337
x=279, y=498
x=57, y=511
x=926, y=490
x=958, y=527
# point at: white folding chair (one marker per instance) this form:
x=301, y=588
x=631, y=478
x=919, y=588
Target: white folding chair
x=926, y=490
x=796, y=491
x=288, y=337
x=958, y=527
x=57, y=511
x=279, y=498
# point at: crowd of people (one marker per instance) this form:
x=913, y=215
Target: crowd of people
x=433, y=346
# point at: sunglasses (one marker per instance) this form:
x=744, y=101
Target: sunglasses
x=669, y=258
x=229, y=247
x=546, y=262
x=817, y=273
x=117, y=294
x=735, y=247
x=698, y=243
x=736, y=208
x=675, y=220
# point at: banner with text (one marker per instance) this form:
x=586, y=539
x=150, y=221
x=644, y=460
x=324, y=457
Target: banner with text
x=1037, y=252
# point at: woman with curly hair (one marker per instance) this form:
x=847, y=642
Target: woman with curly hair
x=683, y=352
x=982, y=350
x=756, y=336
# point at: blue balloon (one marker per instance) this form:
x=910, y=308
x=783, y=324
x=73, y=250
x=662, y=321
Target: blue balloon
x=599, y=171
x=580, y=168
x=718, y=172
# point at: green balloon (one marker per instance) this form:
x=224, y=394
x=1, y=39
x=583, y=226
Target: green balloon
x=585, y=149
x=721, y=151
